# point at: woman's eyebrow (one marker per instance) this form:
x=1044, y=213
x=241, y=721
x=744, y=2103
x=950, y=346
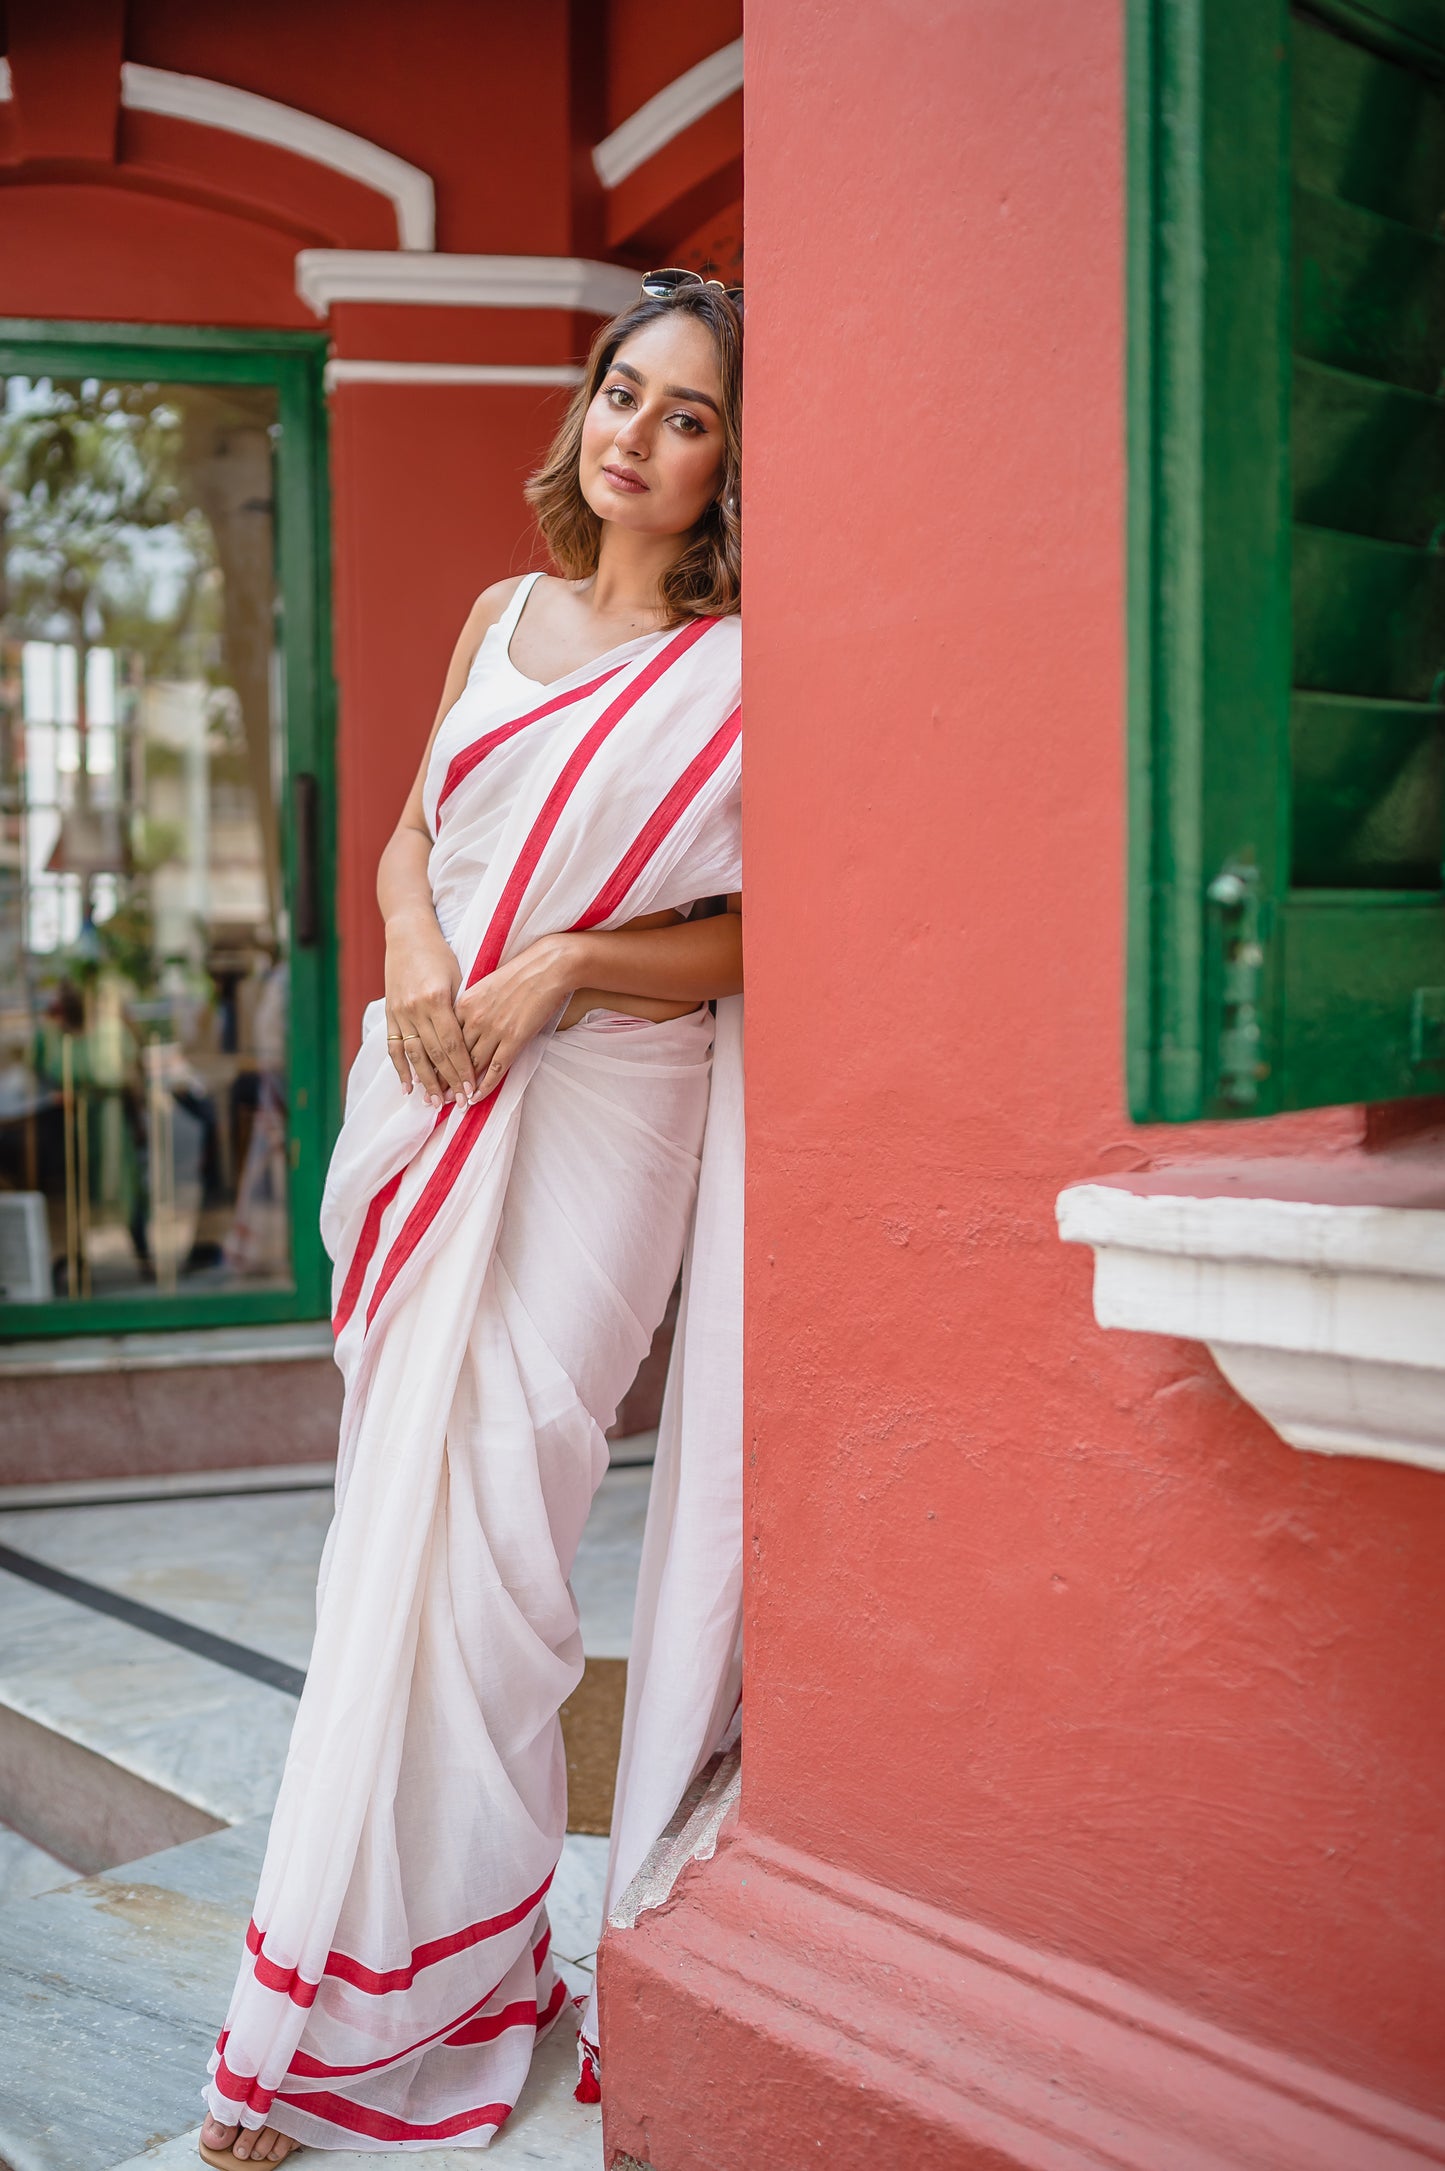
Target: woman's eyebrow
x=670, y=391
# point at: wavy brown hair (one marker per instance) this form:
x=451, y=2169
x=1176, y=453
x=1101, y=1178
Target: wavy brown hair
x=706, y=581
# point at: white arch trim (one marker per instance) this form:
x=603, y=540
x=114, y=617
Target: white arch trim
x=667, y=114
x=324, y=276
x=243, y=113
x=346, y=370
x=7, y=86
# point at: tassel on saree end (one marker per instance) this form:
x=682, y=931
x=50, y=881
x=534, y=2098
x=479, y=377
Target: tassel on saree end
x=589, y=2084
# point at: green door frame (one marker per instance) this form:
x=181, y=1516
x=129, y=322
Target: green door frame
x=293, y=362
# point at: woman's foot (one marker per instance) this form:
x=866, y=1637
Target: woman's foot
x=249, y=2143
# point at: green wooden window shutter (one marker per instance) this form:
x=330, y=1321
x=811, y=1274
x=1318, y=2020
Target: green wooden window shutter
x=1287, y=554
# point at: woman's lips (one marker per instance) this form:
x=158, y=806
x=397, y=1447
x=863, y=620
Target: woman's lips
x=621, y=480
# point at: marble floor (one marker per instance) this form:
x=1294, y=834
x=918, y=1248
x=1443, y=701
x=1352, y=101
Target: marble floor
x=117, y=1978
x=243, y=1568
x=26, y=1869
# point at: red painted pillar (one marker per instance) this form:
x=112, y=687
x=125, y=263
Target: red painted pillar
x=1091, y=1759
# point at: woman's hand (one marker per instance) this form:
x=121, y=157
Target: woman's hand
x=423, y=1033
x=503, y=1012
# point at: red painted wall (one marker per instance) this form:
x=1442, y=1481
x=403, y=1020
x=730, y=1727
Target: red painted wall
x=1044, y=1627
x=135, y=218
x=194, y=227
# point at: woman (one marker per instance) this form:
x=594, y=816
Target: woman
x=544, y=1116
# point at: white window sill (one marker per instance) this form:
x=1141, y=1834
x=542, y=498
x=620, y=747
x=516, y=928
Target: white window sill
x=1318, y=1287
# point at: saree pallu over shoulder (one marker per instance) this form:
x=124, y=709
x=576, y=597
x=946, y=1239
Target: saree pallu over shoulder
x=499, y=1270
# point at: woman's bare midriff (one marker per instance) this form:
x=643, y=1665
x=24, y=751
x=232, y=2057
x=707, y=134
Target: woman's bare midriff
x=632, y=1006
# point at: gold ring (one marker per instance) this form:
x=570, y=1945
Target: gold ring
x=396, y=1036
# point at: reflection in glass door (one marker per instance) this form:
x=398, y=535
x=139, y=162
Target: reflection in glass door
x=147, y=1064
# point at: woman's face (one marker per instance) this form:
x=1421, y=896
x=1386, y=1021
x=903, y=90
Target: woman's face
x=652, y=441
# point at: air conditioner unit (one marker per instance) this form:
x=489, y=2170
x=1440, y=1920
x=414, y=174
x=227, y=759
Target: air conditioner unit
x=24, y=1248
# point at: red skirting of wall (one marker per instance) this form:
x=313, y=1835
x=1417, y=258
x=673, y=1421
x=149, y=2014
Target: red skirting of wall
x=810, y=2016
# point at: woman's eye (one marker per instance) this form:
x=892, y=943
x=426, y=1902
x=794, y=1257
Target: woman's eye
x=692, y=425
x=617, y=392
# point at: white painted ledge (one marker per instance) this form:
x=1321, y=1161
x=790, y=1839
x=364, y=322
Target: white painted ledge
x=220, y=105
x=1328, y=1317
x=438, y=280
x=644, y=133
x=345, y=370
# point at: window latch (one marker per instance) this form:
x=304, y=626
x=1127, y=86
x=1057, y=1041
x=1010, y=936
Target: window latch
x=1235, y=893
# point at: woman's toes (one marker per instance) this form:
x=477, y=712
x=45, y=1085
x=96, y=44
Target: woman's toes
x=215, y=2135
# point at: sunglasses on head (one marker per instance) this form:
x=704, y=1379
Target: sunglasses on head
x=661, y=285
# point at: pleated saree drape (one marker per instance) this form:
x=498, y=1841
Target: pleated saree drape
x=499, y=1273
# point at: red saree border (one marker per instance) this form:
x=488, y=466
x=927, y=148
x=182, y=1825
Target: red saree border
x=378, y=1983
x=380, y=2126
x=474, y=1119
x=463, y=2030
x=461, y=765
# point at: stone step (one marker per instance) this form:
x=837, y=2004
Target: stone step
x=118, y=1736
x=143, y=1699
x=112, y=1989
x=26, y=1869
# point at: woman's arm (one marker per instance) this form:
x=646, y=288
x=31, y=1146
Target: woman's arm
x=423, y=978
x=687, y=962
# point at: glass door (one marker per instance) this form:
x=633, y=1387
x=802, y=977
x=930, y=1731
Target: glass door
x=167, y=1062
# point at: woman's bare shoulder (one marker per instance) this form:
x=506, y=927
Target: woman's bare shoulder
x=483, y=615
x=491, y=603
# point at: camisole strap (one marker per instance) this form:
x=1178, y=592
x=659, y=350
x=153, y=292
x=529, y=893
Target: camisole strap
x=509, y=617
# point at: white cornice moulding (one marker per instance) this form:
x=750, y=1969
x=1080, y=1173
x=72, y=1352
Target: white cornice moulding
x=666, y=115
x=345, y=370
x=325, y=276
x=243, y=113
x=1328, y=1319
x=7, y=82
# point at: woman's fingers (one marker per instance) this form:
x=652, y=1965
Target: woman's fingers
x=498, y=1064
x=397, y=1053
x=455, y=1063
x=444, y=1047
x=415, y=1050
x=491, y=1055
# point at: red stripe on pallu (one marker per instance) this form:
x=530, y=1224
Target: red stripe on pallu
x=488, y=957
x=664, y=816
x=554, y=2004
x=490, y=953
x=359, y=2118
x=366, y=1245
x=429, y=1205
x=377, y=1984
x=462, y=764
x=525, y=866
x=541, y=1949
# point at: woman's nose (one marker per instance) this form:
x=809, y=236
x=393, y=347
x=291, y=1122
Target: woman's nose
x=632, y=436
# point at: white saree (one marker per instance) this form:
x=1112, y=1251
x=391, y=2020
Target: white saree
x=499, y=1273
